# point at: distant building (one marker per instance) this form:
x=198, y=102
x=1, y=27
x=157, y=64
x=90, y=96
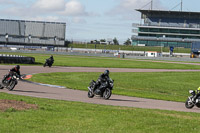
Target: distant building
x=33, y=33
x=152, y=54
x=167, y=28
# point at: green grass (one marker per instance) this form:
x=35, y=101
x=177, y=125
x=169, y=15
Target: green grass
x=55, y=116
x=172, y=86
x=81, y=61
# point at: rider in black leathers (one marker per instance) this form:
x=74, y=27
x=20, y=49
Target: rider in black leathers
x=13, y=70
x=104, y=77
x=51, y=59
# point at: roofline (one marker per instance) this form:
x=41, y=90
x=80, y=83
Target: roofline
x=165, y=11
x=33, y=21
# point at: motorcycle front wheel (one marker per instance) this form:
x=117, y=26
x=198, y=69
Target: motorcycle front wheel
x=11, y=86
x=90, y=94
x=45, y=64
x=189, y=104
x=107, y=93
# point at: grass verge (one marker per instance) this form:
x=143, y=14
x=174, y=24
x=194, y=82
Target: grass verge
x=81, y=61
x=55, y=116
x=172, y=86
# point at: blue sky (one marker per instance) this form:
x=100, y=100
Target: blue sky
x=89, y=19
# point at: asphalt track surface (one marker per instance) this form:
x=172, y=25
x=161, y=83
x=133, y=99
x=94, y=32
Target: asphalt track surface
x=60, y=93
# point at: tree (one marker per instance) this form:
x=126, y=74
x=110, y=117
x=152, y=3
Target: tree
x=67, y=43
x=127, y=42
x=102, y=40
x=115, y=41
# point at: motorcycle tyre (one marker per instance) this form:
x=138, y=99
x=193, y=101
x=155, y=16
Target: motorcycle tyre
x=187, y=105
x=107, y=93
x=45, y=64
x=1, y=86
x=90, y=94
x=11, y=86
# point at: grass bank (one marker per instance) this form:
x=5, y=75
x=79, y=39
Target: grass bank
x=172, y=86
x=81, y=61
x=55, y=116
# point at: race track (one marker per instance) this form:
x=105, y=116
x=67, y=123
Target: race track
x=41, y=91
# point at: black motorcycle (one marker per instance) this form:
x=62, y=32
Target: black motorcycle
x=48, y=62
x=105, y=92
x=193, y=100
x=10, y=81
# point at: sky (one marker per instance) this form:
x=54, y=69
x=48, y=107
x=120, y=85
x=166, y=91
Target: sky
x=88, y=20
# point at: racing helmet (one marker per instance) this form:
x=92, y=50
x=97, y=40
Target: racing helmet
x=106, y=72
x=17, y=67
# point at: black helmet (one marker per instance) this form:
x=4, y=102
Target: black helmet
x=17, y=67
x=106, y=72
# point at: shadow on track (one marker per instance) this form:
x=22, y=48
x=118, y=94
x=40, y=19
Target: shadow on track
x=29, y=91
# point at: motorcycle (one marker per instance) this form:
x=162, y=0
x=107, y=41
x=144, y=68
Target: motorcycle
x=48, y=62
x=193, y=100
x=9, y=82
x=105, y=92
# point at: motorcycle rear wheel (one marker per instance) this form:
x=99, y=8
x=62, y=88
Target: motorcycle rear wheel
x=1, y=86
x=90, y=94
x=107, y=93
x=189, y=104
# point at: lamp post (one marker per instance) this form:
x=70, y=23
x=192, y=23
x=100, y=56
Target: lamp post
x=161, y=45
x=6, y=37
x=55, y=39
x=29, y=38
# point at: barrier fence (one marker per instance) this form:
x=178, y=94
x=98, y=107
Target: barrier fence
x=16, y=59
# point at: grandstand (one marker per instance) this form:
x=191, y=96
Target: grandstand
x=167, y=28
x=32, y=33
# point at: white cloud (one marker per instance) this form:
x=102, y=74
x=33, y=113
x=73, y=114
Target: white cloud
x=48, y=10
x=49, y=5
x=74, y=8
x=7, y=2
x=126, y=8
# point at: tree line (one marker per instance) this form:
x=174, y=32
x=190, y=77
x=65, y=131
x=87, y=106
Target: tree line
x=104, y=41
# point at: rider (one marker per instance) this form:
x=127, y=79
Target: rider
x=51, y=58
x=13, y=70
x=197, y=94
x=104, y=77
